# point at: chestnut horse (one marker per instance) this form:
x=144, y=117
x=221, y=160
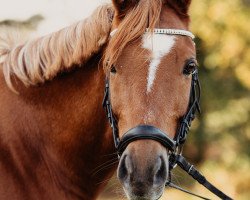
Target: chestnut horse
x=53, y=129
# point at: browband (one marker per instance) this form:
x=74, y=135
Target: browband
x=164, y=31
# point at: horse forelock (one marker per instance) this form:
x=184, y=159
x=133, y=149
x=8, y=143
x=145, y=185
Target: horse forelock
x=145, y=14
x=42, y=59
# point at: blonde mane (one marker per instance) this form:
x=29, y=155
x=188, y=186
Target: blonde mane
x=41, y=59
x=144, y=15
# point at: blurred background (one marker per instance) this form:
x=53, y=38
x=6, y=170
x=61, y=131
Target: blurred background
x=219, y=143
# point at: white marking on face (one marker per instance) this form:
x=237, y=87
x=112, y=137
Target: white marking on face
x=160, y=45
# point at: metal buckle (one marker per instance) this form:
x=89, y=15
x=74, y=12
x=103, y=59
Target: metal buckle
x=178, y=151
x=190, y=169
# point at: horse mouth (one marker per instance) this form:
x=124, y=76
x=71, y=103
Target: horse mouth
x=146, y=197
x=149, y=194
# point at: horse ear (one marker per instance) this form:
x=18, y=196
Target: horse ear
x=122, y=6
x=181, y=6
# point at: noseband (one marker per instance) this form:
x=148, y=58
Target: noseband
x=174, y=145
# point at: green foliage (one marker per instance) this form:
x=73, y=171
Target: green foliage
x=222, y=135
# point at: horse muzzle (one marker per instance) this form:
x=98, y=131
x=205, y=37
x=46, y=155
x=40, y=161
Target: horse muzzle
x=144, y=166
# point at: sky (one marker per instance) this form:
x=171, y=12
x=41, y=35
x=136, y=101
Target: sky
x=57, y=13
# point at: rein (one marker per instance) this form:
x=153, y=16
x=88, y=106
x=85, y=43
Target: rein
x=174, y=146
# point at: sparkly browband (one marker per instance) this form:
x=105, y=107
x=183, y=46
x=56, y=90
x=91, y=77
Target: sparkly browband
x=172, y=32
x=166, y=32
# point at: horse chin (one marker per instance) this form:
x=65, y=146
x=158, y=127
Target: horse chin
x=154, y=195
x=144, y=197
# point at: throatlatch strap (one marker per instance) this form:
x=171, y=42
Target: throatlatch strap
x=190, y=169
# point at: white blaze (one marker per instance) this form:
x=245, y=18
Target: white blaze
x=160, y=45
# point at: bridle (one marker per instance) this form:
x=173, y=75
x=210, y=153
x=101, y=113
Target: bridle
x=174, y=145
x=144, y=131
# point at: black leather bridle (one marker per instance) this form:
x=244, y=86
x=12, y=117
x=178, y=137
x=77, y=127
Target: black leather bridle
x=174, y=146
x=145, y=131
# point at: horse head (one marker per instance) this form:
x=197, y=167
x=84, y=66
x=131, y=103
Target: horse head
x=149, y=78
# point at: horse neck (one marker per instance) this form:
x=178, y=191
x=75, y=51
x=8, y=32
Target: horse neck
x=65, y=124
x=82, y=135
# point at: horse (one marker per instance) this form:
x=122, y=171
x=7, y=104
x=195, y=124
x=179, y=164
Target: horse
x=55, y=140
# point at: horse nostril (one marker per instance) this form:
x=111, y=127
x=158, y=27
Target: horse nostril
x=161, y=171
x=124, y=168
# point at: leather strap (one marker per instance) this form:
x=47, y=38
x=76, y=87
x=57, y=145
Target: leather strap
x=170, y=184
x=108, y=109
x=146, y=132
x=193, y=106
x=192, y=171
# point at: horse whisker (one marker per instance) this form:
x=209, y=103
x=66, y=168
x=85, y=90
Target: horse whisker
x=104, y=181
x=105, y=167
x=111, y=154
x=103, y=164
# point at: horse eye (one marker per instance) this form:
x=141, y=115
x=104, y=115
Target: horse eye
x=113, y=70
x=190, y=67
